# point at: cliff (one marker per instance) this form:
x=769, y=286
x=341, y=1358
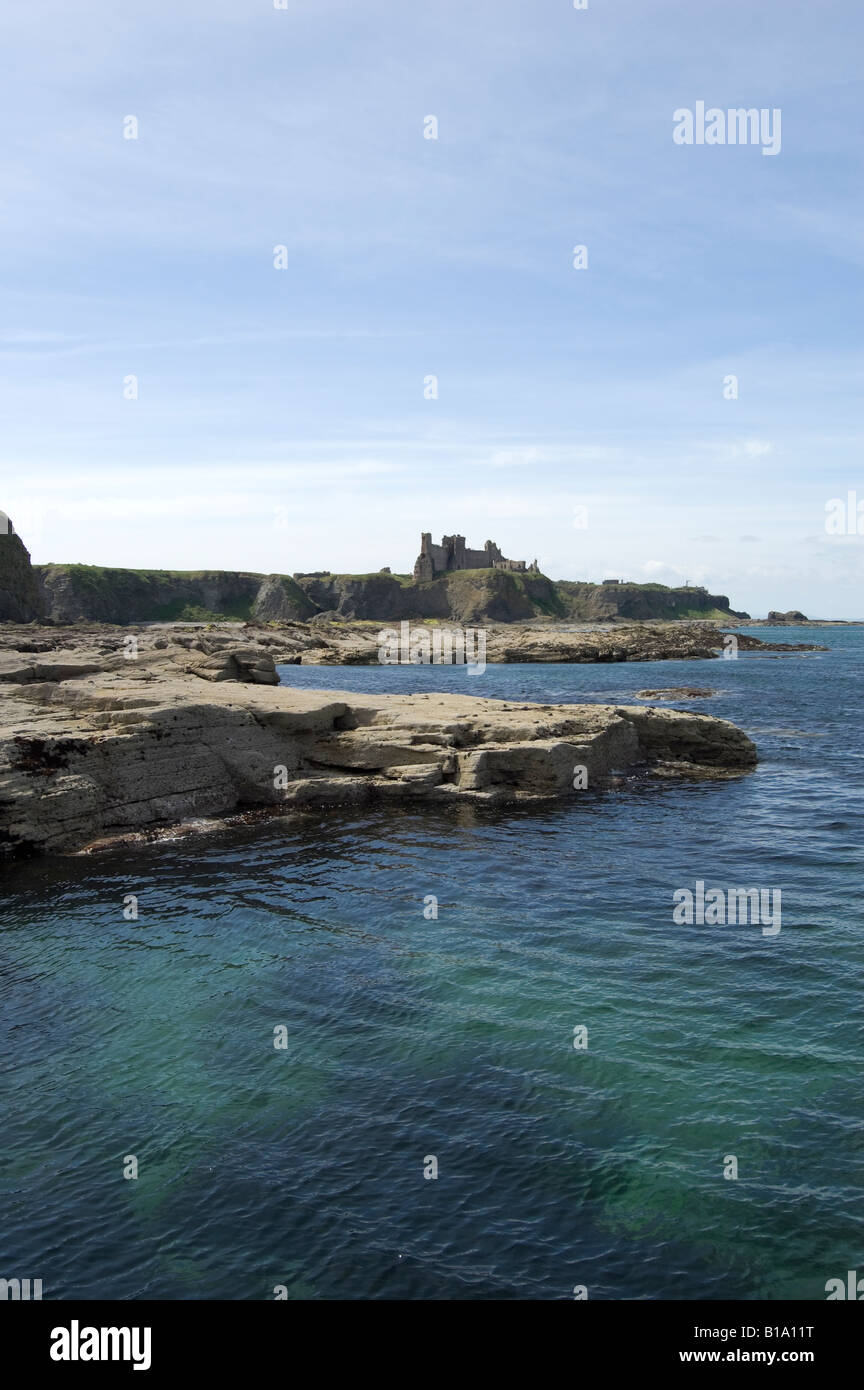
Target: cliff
x=587, y=602
x=92, y=593
x=72, y=593
x=19, y=594
x=466, y=596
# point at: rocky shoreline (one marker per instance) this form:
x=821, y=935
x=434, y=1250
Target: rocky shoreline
x=330, y=643
x=98, y=743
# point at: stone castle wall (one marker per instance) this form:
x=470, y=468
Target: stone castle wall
x=453, y=554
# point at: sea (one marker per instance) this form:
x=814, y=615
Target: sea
x=405, y=1052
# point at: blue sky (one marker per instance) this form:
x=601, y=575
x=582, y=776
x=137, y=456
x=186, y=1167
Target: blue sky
x=281, y=422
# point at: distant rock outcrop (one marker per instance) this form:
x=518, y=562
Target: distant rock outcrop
x=612, y=599
x=281, y=600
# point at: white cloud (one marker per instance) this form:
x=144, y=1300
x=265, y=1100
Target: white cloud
x=511, y=458
x=756, y=448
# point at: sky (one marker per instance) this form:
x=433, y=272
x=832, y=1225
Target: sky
x=172, y=398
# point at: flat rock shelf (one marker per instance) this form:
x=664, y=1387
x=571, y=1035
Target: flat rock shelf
x=95, y=745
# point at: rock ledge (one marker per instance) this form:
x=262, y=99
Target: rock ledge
x=94, y=746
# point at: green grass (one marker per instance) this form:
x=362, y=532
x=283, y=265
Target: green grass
x=128, y=588
x=709, y=615
x=402, y=579
x=181, y=611
x=147, y=591
x=91, y=573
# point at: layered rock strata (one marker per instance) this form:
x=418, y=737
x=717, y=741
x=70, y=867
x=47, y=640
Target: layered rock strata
x=94, y=744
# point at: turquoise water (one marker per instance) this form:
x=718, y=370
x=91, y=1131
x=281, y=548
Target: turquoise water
x=409, y=1037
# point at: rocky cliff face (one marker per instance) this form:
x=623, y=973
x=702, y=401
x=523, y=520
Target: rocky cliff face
x=19, y=593
x=92, y=593
x=497, y=596
x=70, y=593
x=281, y=600
x=466, y=596
x=374, y=596
x=587, y=602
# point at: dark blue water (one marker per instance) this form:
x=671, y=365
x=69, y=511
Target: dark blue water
x=453, y=1037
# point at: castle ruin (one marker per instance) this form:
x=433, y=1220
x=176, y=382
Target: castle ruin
x=453, y=554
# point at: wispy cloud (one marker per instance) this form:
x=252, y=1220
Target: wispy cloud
x=452, y=257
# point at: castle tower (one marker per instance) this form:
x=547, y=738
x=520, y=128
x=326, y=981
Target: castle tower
x=454, y=554
x=424, y=565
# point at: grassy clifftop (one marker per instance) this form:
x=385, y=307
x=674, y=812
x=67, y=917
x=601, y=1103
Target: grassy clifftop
x=100, y=594
x=95, y=593
x=586, y=602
